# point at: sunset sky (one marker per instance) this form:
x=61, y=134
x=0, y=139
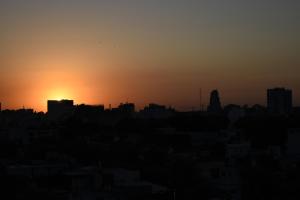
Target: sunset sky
x=143, y=51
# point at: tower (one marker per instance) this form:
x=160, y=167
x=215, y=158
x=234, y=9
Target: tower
x=214, y=103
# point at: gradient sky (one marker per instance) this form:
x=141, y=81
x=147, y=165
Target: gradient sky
x=142, y=51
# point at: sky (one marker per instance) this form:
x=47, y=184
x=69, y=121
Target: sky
x=144, y=51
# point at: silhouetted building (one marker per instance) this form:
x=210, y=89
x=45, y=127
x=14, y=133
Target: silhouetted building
x=88, y=112
x=127, y=108
x=214, y=104
x=279, y=100
x=59, y=109
x=157, y=111
x=83, y=108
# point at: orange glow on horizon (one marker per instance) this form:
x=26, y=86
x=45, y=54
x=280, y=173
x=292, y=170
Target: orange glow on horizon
x=57, y=86
x=59, y=94
x=55, y=77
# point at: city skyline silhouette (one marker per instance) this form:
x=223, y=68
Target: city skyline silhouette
x=150, y=99
x=214, y=104
x=108, y=52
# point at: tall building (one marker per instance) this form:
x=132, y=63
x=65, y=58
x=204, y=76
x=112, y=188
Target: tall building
x=279, y=100
x=214, y=103
x=59, y=109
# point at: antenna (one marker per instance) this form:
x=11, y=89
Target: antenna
x=200, y=99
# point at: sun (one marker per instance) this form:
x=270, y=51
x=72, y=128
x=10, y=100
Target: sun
x=59, y=94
